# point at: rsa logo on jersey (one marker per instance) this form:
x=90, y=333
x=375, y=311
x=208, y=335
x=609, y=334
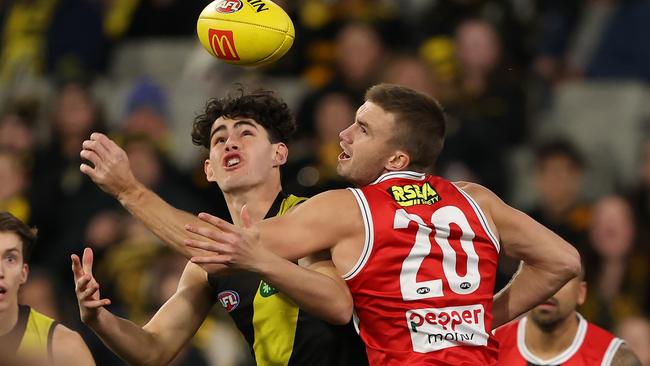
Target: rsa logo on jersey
x=435, y=329
x=228, y=299
x=414, y=194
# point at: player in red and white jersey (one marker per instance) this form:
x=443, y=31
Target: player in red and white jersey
x=433, y=237
x=554, y=333
x=419, y=252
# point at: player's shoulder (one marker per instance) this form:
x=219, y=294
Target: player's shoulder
x=68, y=347
x=482, y=195
x=507, y=331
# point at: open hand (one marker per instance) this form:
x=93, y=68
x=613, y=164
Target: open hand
x=235, y=247
x=111, y=170
x=86, y=287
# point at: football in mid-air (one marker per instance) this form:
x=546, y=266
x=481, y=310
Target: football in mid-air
x=245, y=32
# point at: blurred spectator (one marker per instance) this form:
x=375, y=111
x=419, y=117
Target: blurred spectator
x=39, y=292
x=76, y=45
x=635, y=331
x=13, y=190
x=25, y=26
x=359, y=54
x=58, y=185
x=618, y=270
x=488, y=113
x=169, y=18
x=316, y=172
x=558, y=179
x=640, y=195
x=594, y=39
x=16, y=134
x=411, y=72
x=147, y=110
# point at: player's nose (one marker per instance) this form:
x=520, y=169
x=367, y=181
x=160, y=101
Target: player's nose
x=345, y=135
x=232, y=144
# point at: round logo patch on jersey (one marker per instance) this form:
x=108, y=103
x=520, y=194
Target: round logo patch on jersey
x=229, y=300
x=229, y=6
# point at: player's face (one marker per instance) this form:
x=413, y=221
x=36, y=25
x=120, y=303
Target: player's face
x=366, y=145
x=241, y=155
x=13, y=270
x=561, y=305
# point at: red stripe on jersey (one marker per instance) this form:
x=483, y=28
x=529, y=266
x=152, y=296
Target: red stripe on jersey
x=423, y=286
x=591, y=345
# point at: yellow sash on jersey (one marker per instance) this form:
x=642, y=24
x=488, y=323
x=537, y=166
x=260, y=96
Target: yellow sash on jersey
x=37, y=336
x=275, y=317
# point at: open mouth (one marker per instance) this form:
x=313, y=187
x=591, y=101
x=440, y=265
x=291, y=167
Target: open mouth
x=3, y=290
x=231, y=160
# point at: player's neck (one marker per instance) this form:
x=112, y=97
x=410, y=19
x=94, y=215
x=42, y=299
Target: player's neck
x=548, y=343
x=258, y=200
x=8, y=318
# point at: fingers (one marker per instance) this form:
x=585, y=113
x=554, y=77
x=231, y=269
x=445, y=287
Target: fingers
x=87, y=169
x=212, y=247
x=94, y=304
x=208, y=233
x=87, y=287
x=76, y=267
x=215, y=259
x=222, y=225
x=91, y=156
x=96, y=146
x=87, y=261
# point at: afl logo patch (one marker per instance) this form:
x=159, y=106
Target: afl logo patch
x=229, y=300
x=229, y=6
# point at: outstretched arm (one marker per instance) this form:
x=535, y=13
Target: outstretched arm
x=548, y=261
x=111, y=171
x=160, y=340
x=314, y=285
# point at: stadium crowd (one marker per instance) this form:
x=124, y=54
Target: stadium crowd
x=545, y=101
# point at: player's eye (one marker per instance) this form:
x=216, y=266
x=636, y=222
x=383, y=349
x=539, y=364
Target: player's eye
x=247, y=133
x=219, y=140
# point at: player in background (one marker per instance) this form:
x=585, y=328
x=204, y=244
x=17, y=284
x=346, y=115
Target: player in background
x=28, y=337
x=245, y=135
x=418, y=252
x=554, y=333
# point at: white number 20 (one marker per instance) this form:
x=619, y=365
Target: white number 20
x=442, y=220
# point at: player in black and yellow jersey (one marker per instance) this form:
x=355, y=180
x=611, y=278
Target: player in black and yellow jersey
x=28, y=337
x=245, y=135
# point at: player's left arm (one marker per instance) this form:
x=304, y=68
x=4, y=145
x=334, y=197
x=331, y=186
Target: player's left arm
x=314, y=285
x=548, y=261
x=320, y=223
x=625, y=357
x=68, y=348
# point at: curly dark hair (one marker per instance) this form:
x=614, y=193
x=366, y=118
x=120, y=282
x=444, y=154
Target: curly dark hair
x=261, y=105
x=10, y=224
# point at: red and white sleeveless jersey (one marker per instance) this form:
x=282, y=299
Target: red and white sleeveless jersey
x=591, y=345
x=424, y=283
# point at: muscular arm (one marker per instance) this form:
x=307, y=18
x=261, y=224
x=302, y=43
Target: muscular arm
x=111, y=171
x=625, y=357
x=160, y=340
x=548, y=261
x=316, y=288
x=69, y=349
x=320, y=223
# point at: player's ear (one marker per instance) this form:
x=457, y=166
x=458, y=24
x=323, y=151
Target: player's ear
x=280, y=155
x=399, y=160
x=209, y=174
x=24, y=273
x=582, y=292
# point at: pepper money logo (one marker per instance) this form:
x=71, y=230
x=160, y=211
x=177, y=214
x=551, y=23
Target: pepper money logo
x=414, y=194
x=229, y=6
x=223, y=44
x=229, y=300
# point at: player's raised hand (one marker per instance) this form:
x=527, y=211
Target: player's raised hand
x=86, y=287
x=236, y=247
x=110, y=168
